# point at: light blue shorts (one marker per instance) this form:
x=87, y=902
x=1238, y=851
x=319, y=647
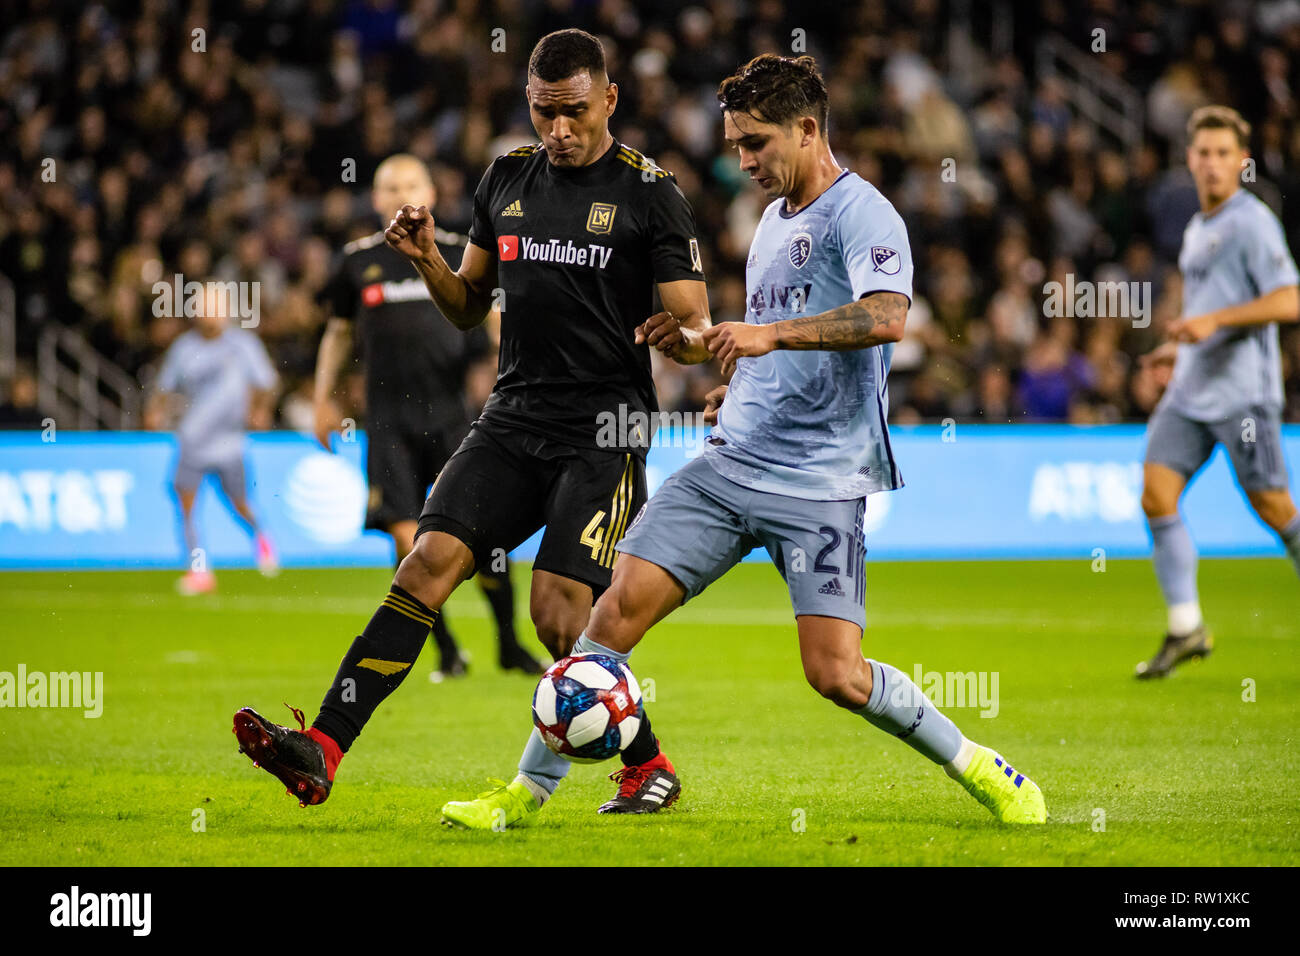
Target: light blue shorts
x=1252, y=437
x=699, y=525
x=229, y=469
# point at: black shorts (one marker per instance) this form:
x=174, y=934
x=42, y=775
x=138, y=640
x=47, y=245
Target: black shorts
x=401, y=464
x=503, y=484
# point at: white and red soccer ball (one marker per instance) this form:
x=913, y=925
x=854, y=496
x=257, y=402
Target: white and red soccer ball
x=587, y=707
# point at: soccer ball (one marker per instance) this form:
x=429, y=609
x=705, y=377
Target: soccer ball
x=587, y=707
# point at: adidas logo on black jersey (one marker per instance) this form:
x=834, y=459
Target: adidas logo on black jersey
x=831, y=587
x=516, y=208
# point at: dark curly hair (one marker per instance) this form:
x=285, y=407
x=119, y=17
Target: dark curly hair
x=777, y=89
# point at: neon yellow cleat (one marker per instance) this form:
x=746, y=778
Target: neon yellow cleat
x=1009, y=795
x=509, y=805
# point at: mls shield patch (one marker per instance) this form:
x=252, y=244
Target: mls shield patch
x=601, y=218
x=886, y=260
x=800, y=249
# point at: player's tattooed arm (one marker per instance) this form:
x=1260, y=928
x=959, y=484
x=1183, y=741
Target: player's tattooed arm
x=874, y=319
x=464, y=297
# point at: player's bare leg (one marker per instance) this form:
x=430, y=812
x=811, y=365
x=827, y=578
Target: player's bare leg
x=231, y=479
x=376, y=663
x=403, y=533
x=498, y=589
x=199, y=579
x=1274, y=506
x=1277, y=509
x=831, y=651
x=452, y=662
x=267, y=560
x=640, y=595
x=1161, y=489
x=560, y=608
x=1174, y=556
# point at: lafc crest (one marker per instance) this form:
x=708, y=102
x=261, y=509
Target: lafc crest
x=601, y=218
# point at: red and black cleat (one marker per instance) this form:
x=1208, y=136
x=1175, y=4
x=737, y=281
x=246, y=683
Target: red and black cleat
x=646, y=788
x=292, y=756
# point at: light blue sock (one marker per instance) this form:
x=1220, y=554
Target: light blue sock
x=542, y=766
x=897, y=706
x=539, y=763
x=1291, y=538
x=585, y=645
x=1175, y=559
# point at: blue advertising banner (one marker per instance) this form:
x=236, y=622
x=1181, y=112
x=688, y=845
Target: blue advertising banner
x=104, y=500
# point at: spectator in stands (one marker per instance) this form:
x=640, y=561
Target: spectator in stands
x=236, y=155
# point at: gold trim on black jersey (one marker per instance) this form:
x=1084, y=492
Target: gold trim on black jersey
x=639, y=162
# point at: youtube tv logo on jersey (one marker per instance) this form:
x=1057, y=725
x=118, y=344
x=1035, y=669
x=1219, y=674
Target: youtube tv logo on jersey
x=527, y=249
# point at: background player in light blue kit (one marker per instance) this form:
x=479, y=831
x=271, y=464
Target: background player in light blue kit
x=1239, y=281
x=219, y=380
x=801, y=436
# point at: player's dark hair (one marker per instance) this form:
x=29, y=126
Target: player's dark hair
x=1219, y=117
x=777, y=89
x=561, y=54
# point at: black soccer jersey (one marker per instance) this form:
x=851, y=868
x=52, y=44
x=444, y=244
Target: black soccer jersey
x=415, y=359
x=579, y=252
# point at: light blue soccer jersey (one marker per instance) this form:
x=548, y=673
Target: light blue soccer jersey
x=812, y=424
x=1236, y=254
x=215, y=376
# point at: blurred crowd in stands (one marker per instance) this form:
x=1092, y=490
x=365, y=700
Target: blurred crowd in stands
x=235, y=140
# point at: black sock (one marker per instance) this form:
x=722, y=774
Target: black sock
x=644, y=746
x=375, y=664
x=441, y=638
x=500, y=593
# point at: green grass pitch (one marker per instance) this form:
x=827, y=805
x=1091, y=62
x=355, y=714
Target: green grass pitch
x=1178, y=772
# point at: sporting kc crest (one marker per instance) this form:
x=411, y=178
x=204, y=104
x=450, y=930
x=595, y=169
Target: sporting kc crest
x=800, y=249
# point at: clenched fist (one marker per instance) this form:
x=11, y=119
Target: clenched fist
x=665, y=332
x=411, y=231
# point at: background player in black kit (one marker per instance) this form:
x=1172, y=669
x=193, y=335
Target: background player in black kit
x=571, y=238
x=416, y=364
